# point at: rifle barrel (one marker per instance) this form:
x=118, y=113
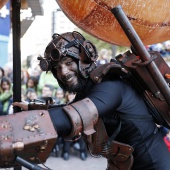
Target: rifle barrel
x=141, y=51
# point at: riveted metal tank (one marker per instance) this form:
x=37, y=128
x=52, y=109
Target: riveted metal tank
x=150, y=19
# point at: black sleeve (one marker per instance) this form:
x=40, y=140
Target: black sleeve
x=107, y=96
x=60, y=121
x=111, y=96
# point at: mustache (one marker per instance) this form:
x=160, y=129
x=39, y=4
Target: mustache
x=67, y=77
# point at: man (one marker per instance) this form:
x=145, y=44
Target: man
x=47, y=91
x=60, y=96
x=110, y=114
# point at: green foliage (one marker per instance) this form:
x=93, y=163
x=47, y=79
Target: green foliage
x=98, y=43
x=102, y=44
x=122, y=49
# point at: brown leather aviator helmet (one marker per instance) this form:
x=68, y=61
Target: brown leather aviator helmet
x=71, y=44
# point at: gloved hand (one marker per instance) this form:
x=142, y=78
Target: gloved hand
x=22, y=105
x=34, y=105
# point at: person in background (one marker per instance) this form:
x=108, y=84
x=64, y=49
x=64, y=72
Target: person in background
x=47, y=91
x=8, y=70
x=31, y=95
x=103, y=57
x=36, y=72
x=23, y=97
x=167, y=140
x=166, y=45
x=163, y=130
x=60, y=96
x=24, y=76
x=32, y=82
x=69, y=97
x=47, y=78
x=1, y=73
x=5, y=95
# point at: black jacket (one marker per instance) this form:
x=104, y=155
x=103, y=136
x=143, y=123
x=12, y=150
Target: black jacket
x=116, y=101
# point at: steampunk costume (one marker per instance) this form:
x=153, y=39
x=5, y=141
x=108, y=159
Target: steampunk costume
x=108, y=112
x=140, y=132
x=109, y=99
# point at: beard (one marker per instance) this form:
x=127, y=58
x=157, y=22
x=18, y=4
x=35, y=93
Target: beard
x=75, y=88
x=79, y=87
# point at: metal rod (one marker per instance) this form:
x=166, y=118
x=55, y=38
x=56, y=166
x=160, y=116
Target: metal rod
x=142, y=52
x=27, y=164
x=16, y=30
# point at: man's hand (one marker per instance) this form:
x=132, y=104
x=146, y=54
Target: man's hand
x=22, y=105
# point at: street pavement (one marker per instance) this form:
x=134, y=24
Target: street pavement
x=74, y=163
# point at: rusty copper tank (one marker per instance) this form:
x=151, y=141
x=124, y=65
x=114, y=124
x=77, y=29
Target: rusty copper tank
x=150, y=19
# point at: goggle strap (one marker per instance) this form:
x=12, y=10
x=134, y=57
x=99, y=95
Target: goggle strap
x=72, y=43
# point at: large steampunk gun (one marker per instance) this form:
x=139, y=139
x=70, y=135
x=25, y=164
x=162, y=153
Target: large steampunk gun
x=27, y=138
x=150, y=70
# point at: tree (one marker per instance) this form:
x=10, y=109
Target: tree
x=102, y=44
x=98, y=43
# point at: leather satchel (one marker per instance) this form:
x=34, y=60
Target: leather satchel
x=28, y=134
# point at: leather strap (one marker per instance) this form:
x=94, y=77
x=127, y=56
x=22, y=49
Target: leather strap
x=83, y=115
x=119, y=155
x=120, y=165
x=99, y=73
x=75, y=121
x=88, y=113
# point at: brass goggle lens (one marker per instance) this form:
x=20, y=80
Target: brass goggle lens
x=56, y=54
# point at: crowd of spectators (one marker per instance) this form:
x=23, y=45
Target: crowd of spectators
x=163, y=48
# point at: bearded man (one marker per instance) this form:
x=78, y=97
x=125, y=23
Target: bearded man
x=108, y=112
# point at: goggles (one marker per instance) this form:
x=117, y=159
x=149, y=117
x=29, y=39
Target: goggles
x=58, y=53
